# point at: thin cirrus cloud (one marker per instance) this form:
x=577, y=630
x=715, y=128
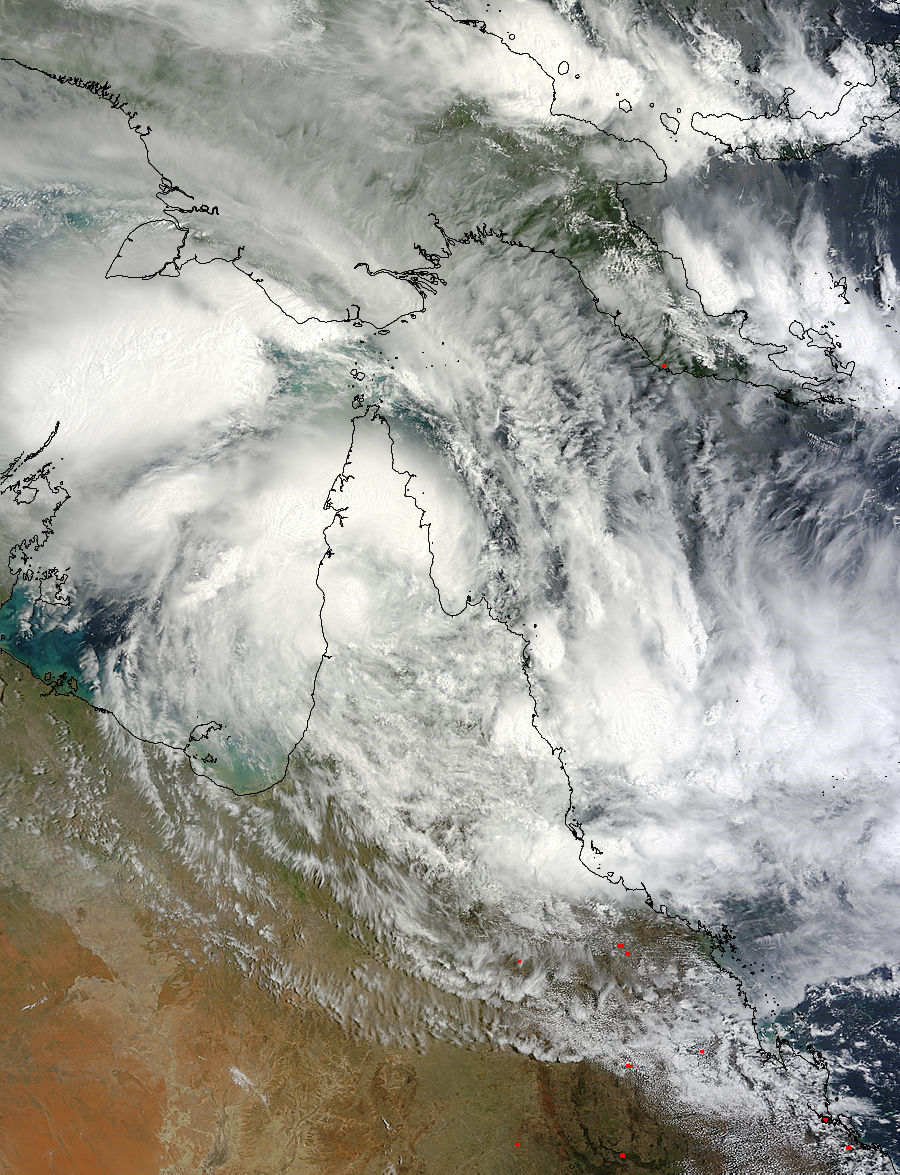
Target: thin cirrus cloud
x=707, y=579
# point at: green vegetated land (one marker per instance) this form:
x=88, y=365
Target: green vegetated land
x=151, y=993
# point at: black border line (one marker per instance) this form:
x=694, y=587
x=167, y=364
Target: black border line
x=782, y=112
x=422, y=281
x=808, y=383
x=425, y=281
x=720, y=941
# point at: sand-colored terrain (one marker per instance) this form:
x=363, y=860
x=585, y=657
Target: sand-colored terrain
x=128, y=1048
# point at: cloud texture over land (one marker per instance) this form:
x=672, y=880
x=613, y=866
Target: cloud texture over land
x=706, y=572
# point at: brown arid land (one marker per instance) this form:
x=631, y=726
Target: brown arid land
x=129, y=1048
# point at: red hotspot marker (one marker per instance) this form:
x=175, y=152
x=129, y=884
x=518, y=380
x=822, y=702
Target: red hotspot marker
x=825, y=1119
x=628, y=952
x=848, y=1148
x=620, y=946
x=621, y=1154
x=664, y=367
x=704, y=1050
x=629, y=1065
x=518, y=1144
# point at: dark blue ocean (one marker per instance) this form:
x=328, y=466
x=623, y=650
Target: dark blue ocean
x=855, y=1022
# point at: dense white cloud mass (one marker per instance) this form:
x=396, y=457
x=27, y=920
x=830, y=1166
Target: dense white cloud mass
x=665, y=481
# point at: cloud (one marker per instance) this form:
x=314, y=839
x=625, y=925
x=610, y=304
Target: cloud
x=706, y=577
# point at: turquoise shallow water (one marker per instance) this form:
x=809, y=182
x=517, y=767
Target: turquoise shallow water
x=243, y=763
x=37, y=639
